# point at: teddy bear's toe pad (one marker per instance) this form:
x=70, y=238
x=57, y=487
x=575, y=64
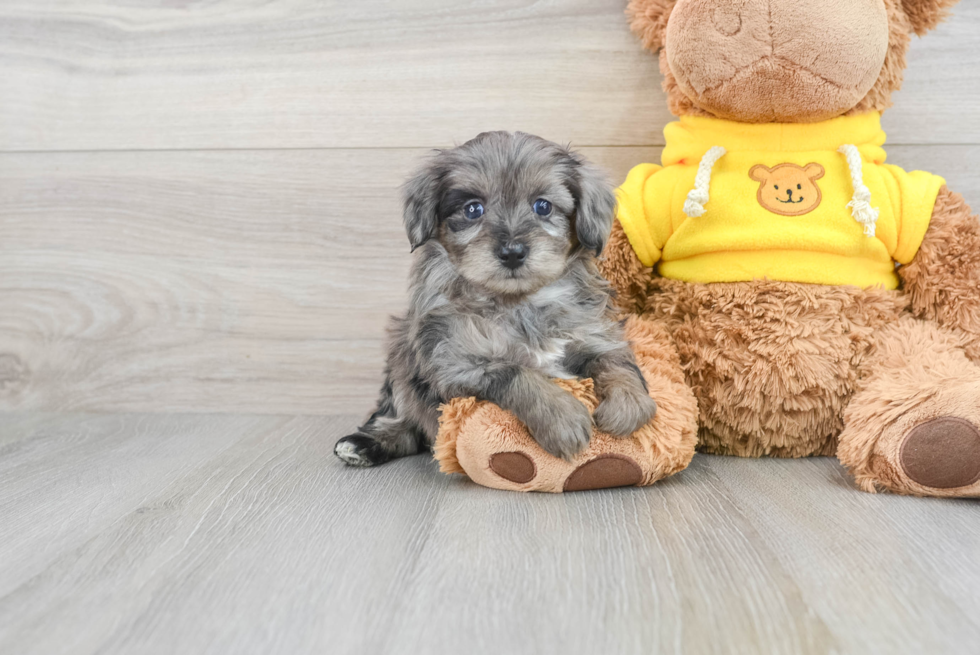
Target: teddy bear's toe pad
x=514, y=466
x=943, y=453
x=604, y=472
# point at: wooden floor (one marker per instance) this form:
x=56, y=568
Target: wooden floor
x=149, y=533
x=200, y=241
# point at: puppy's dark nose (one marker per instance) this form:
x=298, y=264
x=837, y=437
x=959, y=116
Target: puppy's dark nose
x=789, y=193
x=512, y=255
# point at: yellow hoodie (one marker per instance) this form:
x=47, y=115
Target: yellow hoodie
x=811, y=203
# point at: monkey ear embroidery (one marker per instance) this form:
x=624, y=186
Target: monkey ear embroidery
x=860, y=204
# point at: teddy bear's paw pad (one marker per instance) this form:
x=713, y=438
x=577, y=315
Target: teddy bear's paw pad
x=943, y=453
x=513, y=466
x=604, y=472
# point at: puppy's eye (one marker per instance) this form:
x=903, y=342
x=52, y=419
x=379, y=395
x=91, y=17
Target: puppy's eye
x=799, y=186
x=473, y=211
x=542, y=207
x=776, y=186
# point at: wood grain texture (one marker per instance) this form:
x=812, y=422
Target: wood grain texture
x=224, y=281
x=116, y=462
x=199, y=212
x=866, y=560
x=187, y=281
x=153, y=539
x=106, y=74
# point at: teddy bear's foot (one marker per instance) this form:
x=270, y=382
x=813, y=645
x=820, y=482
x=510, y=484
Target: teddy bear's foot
x=514, y=466
x=931, y=449
x=602, y=472
x=942, y=453
x=914, y=428
x=494, y=449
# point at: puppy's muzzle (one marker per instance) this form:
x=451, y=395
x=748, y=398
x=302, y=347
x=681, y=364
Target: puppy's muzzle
x=512, y=255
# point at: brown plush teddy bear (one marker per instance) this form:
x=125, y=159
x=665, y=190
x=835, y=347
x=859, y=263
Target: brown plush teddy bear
x=790, y=293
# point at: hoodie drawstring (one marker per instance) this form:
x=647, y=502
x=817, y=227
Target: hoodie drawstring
x=698, y=197
x=860, y=204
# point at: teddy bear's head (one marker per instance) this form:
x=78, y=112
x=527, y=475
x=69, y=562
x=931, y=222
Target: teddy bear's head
x=782, y=61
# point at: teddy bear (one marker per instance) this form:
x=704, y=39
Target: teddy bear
x=787, y=292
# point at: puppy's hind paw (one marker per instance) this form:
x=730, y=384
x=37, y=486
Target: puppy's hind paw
x=360, y=450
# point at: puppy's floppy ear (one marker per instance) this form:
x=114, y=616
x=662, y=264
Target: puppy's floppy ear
x=421, y=196
x=924, y=15
x=595, y=203
x=648, y=20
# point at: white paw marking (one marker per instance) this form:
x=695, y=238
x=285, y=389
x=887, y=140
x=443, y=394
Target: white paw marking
x=348, y=453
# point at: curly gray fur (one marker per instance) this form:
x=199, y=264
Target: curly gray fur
x=477, y=326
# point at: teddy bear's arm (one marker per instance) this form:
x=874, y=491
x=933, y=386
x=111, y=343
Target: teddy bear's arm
x=628, y=276
x=943, y=279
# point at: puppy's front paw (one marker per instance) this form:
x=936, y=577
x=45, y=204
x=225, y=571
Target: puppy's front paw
x=624, y=410
x=560, y=424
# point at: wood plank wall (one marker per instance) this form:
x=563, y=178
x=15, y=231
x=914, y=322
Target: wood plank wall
x=199, y=200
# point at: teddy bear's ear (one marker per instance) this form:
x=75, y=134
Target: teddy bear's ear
x=924, y=15
x=648, y=20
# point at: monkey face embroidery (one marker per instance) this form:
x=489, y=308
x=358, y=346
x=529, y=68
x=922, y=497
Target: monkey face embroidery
x=788, y=189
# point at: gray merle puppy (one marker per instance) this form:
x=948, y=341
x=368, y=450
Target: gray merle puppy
x=505, y=296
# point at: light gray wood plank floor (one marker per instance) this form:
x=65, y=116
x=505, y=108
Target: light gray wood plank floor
x=136, y=533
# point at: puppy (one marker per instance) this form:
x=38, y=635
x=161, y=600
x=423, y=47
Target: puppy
x=504, y=296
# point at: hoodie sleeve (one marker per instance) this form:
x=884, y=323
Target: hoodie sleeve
x=638, y=213
x=918, y=191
